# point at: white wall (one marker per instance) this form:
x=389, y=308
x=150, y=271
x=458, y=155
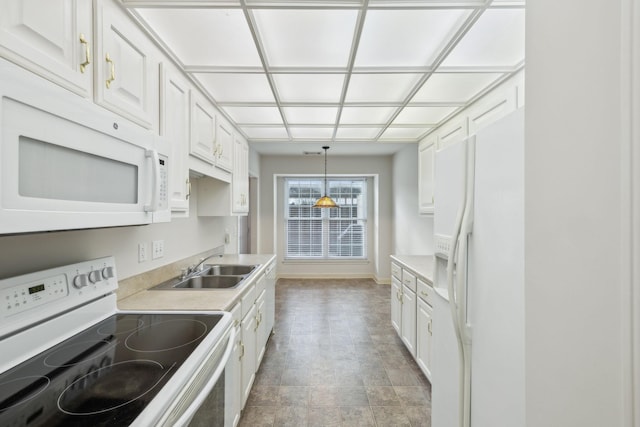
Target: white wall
x=185, y=237
x=412, y=232
x=576, y=330
x=270, y=166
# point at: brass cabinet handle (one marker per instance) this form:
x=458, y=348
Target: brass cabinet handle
x=424, y=293
x=112, y=75
x=188, y=188
x=241, y=351
x=87, y=53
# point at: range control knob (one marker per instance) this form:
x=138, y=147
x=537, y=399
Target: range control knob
x=107, y=273
x=80, y=281
x=95, y=276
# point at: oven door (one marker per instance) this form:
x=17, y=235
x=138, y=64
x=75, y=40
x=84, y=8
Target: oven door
x=68, y=164
x=203, y=400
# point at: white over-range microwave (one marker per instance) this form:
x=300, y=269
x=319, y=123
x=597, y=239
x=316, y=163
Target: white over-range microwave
x=66, y=163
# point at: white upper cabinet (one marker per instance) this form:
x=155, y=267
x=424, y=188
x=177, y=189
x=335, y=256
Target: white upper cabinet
x=52, y=38
x=224, y=146
x=174, y=125
x=492, y=107
x=203, y=129
x=426, y=155
x=126, y=66
x=240, y=183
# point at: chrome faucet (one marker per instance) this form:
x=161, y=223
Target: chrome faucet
x=197, y=267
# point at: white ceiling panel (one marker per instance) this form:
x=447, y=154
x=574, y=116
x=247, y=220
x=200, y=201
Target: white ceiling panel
x=205, y=36
x=423, y=115
x=306, y=38
x=365, y=133
x=265, y=132
x=366, y=115
x=251, y=115
x=497, y=39
x=454, y=87
x=278, y=68
x=309, y=87
x=306, y=133
x=406, y=37
x=311, y=115
x=403, y=133
x=380, y=87
x=227, y=87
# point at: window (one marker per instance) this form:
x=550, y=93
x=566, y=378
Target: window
x=335, y=233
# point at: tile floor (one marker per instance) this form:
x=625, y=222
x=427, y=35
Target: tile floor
x=335, y=360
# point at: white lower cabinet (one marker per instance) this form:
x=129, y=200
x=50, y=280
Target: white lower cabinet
x=411, y=312
x=408, y=322
x=254, y=321
x=424, y=336
x=396, y=304
x=248, y=353
x=261, y=327
x=233, y=372
x=270, y=309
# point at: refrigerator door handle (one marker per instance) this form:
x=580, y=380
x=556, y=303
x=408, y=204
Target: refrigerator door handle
x=453, y=295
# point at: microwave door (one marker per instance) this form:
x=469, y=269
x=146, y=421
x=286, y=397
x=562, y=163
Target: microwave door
x=61, y=174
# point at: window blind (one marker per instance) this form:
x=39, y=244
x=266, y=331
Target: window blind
x=335, y=233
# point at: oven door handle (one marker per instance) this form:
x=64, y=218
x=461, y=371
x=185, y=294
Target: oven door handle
x=188, y=414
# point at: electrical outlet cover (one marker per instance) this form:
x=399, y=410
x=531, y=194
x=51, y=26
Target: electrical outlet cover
x=158, y=249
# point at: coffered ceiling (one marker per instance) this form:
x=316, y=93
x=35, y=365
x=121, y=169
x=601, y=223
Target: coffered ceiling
x=339, y=72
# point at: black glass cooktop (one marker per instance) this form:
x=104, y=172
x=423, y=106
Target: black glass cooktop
x=103, y=376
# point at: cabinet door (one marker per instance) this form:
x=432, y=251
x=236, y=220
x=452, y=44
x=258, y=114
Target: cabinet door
x=453, y=131
x=423, y=337
x=261, y=327
x=270, y=310
x=248, y=352
x=224, y=146
x=233, y=372
x=203, y=128
x=396, y=298
x=409, y=319
x=240, y=183
x=426, y=155
x=52, y=38
x=126, y=67
x=492, y=107
x=174, y=124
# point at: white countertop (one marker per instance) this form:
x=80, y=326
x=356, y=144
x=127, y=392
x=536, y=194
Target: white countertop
x=198, y=299
x=419, y=264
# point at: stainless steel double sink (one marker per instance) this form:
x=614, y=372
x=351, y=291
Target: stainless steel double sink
x=212, y=276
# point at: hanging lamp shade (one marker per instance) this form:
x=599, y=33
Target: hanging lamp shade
x=325, y=201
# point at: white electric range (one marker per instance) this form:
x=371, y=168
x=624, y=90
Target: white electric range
x=69, y=358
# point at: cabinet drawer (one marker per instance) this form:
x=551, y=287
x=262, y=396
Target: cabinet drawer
x=248, y=299
x=409, y=280
x=396, y=270
x=425, y=291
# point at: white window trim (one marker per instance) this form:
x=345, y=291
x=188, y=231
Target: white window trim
x=369, y=185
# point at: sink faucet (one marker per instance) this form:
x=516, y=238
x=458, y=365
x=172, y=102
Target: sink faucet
x=196, y=268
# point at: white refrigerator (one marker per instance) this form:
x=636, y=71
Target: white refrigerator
x=478, y=319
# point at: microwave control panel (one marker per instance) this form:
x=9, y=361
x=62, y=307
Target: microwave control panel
x=163, y=203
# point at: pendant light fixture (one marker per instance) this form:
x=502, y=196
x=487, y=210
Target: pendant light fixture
x=325, y=201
